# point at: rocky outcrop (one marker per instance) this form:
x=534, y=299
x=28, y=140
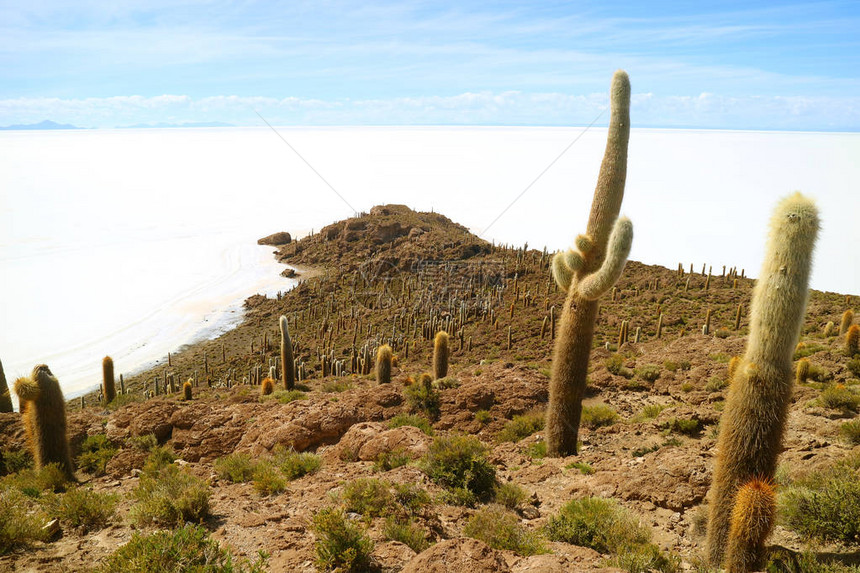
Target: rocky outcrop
x=276, y=239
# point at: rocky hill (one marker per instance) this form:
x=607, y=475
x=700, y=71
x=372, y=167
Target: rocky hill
x=395, y=276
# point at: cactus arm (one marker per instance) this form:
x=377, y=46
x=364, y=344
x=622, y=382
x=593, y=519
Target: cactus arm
x=27, y=389
x=574, y=260
x=561, y=272
x=597, y=283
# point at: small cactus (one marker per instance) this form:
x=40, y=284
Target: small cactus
x=829, y=328
x=440, y=355
x=5, y=396
x=186, y=390
x=108, y=385
x=851, y=339
x=267, y=386
x=44, y=411
x=383, y=364
x=802, y=371
x=847, y=321
x=753, y=517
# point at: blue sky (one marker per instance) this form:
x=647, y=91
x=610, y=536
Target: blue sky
x=734, y=65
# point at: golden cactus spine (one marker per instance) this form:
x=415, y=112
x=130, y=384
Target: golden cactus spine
x=44, y=411
x=753, y=517
x=267, y=386
x=288, y=376
x=186, y=390
x=383, y=364
x=440, y=355
x=847, y=321
x=594, y=267
x=753, y=422
x=5, y=396
x=108, y=384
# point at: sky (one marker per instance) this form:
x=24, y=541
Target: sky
x=721, y=65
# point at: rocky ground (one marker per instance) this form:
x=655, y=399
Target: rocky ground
x=395, y=276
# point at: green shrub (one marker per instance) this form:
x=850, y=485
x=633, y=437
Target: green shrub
x=722, y=333
x=368, y=496
x=33, y=482
x=583, y=467
x=648, y=373
x=854, y=367
x=145, y=443
x=851, y=432
x=646, y=558
x=786, y=561
x=501, y=529
x=340, y=545
x=644, y=450
x=158, y=458
x=615, y=365
x=483, y=417
x=803, y=350
x=460, y=462
x=716, y=383
x=387, y=461
x=597, y=416
x=268, y=480
x=521, y=427
x=96, y=452
x=649, y=412
x=14, y=462
x=510, y=495
x=169, y=495
x=684, y=426
x=286, y=396
x=423, y=399
x=187, y=548
x=419, y=422
x=838, y=397
x=447, y=382
x=537, y=450
x=83, y=507
x=236, y=467
x=687, y=387
x=597, y=523
x=406, y=531
x=294, y=464
x=673, y=366
x=410, y=498
x=824, y=505
x=21, y=522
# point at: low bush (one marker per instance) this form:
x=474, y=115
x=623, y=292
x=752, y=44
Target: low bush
x=294, y=464
x=583, y=467
x=648, y=373
x=368, y=496
x=33, y=483
x=597, y=523
x=423, y=398
x=167, y=494
x=419, y=422
x=597, y=416
x=284, y=396
x=410, y=498
x=646, y=558
x=460, y=463
x=83, y=507
x=340, y=545
x=21, y=522
x=838, y=397
x=387, y=461
x=851, y=432
x=187, y=548
x=96, y=452
x=510, y=495
x=649, y=412
x=144, y=443
x=483, y=417
x=406, y=531
x=673, y=366
x=14, y=462
x=521, y=427
x=615, y=365
x=268, y=480
x=236, y=467
x=501, y=529
x=685, y=426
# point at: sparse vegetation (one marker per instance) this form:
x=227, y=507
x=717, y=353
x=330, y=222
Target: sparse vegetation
x=368, y=496
x=167, y=494
x=483, y=417
x=851, y=432
x=521, y=427
x=839, y=397
x=501, y=529
x=423, y=396
x=598, y=523
x=268, y=480
x=389, y=460
x=648, y=373
x=510, y=495
x=236, y=467
x=295, y=464
x=597, y=416
x=406, y=531
x=81, y=506
x=340, y=545
x=419, y=422
x=459, y=464
x=583, y=467
x=96, y=452
x=287, y=396
x=22, y=520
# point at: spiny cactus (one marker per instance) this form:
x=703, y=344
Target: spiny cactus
x=851, y=339
x=267, y=386
x=733, y=367
x=593, y=268
x=753, y=422
x=5, y=396
x=383, y=364
x=753, y=518
x=847, y=321
x=802, y=371
x=186, y=390
x=440, y=355
x=288, y=376
x=44, y=411
x=828, y=329
x=108, y=386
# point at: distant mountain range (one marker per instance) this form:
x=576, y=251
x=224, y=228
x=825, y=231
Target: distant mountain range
x=42, y=125
x=171, y=125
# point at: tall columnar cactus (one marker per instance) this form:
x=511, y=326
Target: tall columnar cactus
x=846, y=322
x=44, y=411
x=586, y=273
x=753, y=518
x=108, y=385
x=186, y=390
x=383, y=364
x=753, y=422
x=5, y=396
x=852, y=337
x=287, y=372
x=440, y=355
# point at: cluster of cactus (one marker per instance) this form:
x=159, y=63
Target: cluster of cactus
x=586, y=273
x=44, y=411
x=753, y=422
